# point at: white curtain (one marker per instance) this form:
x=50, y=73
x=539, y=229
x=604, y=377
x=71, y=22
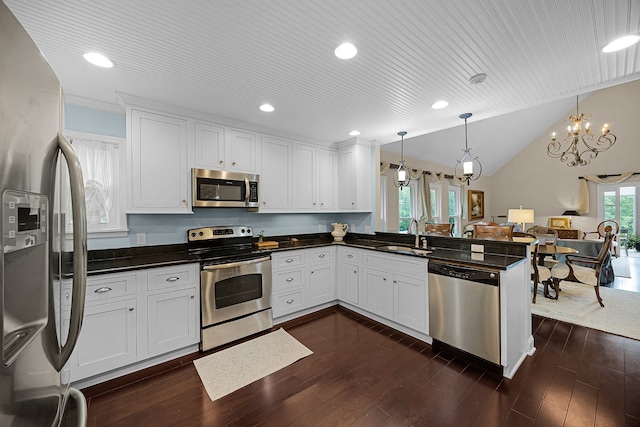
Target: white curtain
x=97, y=159
x=583, y=191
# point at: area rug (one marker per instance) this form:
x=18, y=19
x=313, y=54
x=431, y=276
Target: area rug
x=621, y=267
x=235, y=367
x=578, y=305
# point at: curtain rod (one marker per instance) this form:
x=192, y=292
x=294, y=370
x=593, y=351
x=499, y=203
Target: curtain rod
x=394, y=166
x=607, y=176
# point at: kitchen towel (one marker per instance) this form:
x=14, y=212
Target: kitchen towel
x=233, y=368
x=577, y=304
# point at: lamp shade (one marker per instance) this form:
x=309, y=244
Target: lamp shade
x=520, y=215
x=571, y=213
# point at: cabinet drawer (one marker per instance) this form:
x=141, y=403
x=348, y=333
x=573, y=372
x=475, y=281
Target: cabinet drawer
x=351, y=255
x=318, y=256
x=404, y=263
x=287, y=259
x=171, y=277
x=287, y=279
x=109, y=286
x=289, y=302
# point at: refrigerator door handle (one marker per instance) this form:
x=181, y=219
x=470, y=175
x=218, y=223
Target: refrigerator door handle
x=79, y=248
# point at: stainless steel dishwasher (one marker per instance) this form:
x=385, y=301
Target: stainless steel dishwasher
x=464, y=309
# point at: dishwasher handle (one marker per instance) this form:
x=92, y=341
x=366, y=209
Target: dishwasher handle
x=472, y=274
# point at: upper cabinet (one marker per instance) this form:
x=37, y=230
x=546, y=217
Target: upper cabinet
x=354, y=175
x=219, y=148
x=275, y=176
x=157, y=163
x=314, y=171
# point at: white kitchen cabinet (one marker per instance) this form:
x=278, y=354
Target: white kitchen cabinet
x=241, y=151
x=314, y=171
x=410, y=301
x=322, y=275
x=348, y=277
x=289, y=282
x=209, y=146
x=171, y=320
x=378, y=292
x=276, y=175
x=354, y=176
x=157, y=163
x=108, y=339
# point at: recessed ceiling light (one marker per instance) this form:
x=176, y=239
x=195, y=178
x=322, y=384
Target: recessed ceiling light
x=439, y=104
x=478, y=78
x=98, y=59
x=267, y=108
x=345, y=51
x=354, y=133
x=621, y=43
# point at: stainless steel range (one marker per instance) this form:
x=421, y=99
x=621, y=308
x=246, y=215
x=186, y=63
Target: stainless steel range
x=235, y=283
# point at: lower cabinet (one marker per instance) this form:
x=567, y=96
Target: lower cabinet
x=378, y=292
x=133, y=316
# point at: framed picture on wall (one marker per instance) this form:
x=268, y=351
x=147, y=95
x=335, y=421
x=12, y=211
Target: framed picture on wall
x=559, y=222
x=475, y=206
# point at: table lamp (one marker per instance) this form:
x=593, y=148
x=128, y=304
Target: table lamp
x=520, y=216
x=570, y=214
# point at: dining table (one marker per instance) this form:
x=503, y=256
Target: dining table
x=546, y=250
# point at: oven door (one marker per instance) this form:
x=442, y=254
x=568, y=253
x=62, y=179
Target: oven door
x=229, y=291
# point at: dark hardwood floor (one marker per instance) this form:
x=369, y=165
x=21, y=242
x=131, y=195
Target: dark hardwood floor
x=364, y=374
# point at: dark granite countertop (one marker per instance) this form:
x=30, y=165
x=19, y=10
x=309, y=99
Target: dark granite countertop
x=500, y=255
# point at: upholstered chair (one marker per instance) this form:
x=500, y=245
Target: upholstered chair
x=608, y=225
x=439, y=229
x=493, y=232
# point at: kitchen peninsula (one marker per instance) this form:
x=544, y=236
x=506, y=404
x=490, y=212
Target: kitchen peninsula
x=362, y=275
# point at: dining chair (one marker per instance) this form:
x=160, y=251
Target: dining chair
x=585, y=269
x=611, y=226
x=493, y=232
x=546, y=236
x=468, y=229
x=439, y=229
x=539, y=273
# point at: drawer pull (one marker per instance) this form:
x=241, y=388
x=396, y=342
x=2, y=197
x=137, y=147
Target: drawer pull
x=289, y=260
x=192, y=297
x=102, y=290
x=289, y=301
x=131, y=309
x=172, y=279
x=289, y=279
x=355, y=271
x=321, y=256
x=349, y=256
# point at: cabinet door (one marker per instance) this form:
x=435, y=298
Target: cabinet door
x=347, y=178
x=304, y=171
x=327, y=179
x=378, y=292
x=349, y=284
x=241, y=152
x=275, y=178
x=158, y=169
x=171, y=321
x=322, y=284
x=411, y=303
x=209, y=146
x=107, y=340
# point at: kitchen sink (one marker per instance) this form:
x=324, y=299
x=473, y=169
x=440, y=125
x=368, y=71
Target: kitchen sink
x=405, y=250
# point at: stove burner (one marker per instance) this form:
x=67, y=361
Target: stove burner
x=222, y=244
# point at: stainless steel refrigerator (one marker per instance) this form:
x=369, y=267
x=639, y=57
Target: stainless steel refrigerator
x=34, y=256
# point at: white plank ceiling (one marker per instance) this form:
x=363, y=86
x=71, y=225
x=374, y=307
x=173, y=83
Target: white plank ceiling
x=226, y=57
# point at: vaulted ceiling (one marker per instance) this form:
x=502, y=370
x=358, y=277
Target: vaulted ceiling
x=226, y=57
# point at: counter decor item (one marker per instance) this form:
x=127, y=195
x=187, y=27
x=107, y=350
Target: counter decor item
x=339, y=230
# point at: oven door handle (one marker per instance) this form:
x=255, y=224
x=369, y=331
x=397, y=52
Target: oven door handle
x=235, y=264
x=246, y=191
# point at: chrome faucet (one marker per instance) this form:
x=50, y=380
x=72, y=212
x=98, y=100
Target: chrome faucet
x=415, y=221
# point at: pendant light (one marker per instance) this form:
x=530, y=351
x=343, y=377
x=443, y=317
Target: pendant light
x=468, y=168
x=403, y=177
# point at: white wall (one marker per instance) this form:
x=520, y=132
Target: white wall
x=536, y=181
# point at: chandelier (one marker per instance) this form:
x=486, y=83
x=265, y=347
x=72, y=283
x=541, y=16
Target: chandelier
x=574, y=154
x=468, y=168
x=403, y=178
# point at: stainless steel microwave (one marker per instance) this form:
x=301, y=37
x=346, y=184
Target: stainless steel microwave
x=219, y=189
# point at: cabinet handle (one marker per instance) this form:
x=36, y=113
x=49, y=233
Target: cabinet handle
x=130, y=308
x=322, y=204
x=349, y=256
x=66, y=295
x=384, y=279
x=192, y=297
x=289, y=260
x=312, y=271
x=289, y=301
x=184, y=202
x=102, y=290
x=233, y=163
x=172, y=279
x=395, y=281
x=321, y=256
x=355, y=271
x=220, y=162
x=314, y=203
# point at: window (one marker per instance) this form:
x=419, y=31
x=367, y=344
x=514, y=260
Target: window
x=102, y=159
x=455, y=211
x=407, y=206
x=383, y=203
x=620, y=202
x=435, y=191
